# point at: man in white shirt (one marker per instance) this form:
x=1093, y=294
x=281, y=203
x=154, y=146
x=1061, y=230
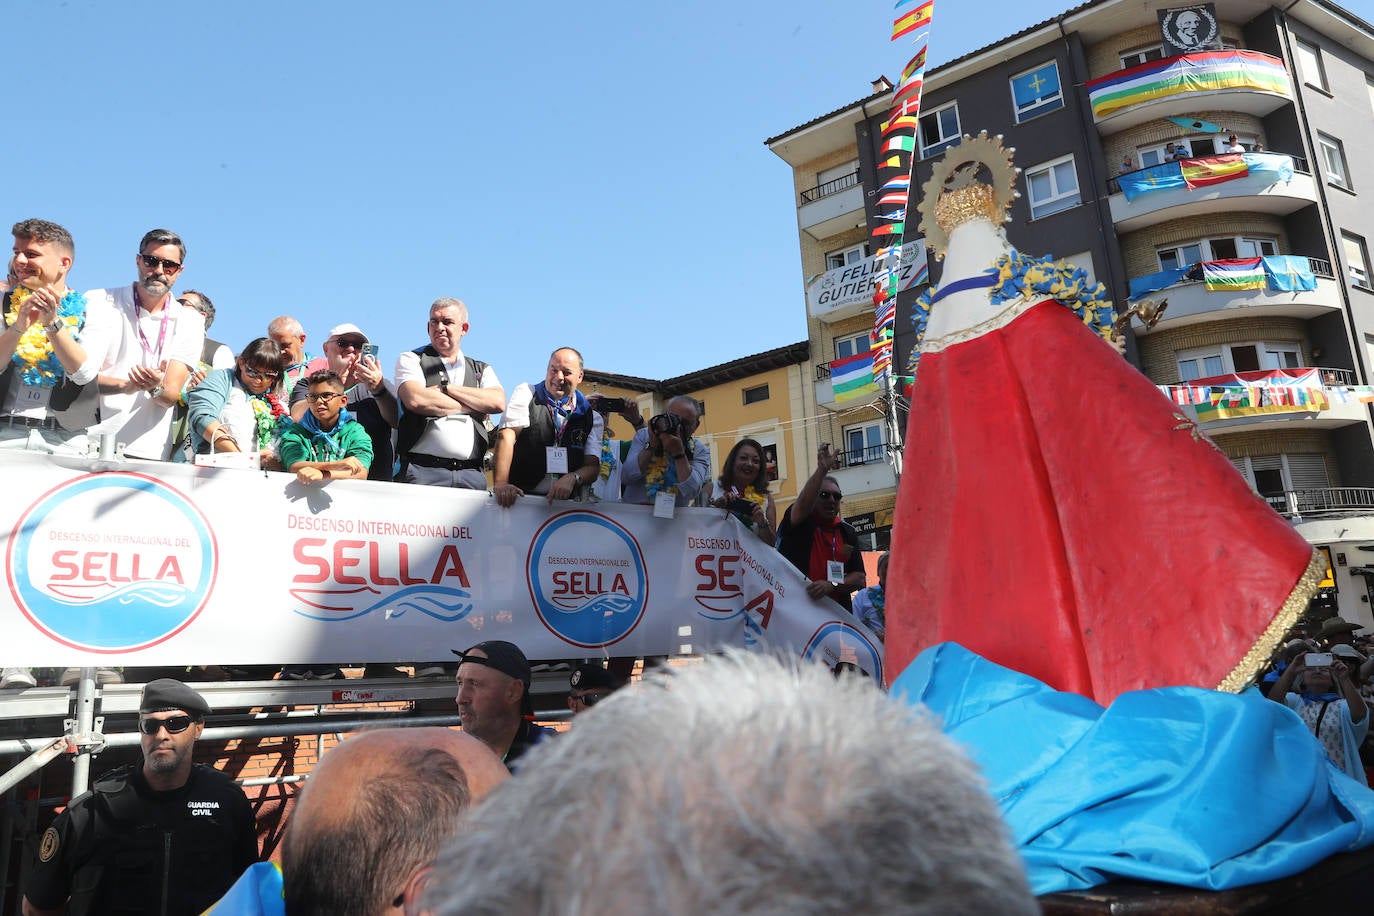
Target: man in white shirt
x=156, y=342
x=443, y=437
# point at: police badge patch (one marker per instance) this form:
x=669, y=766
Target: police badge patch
x=48, y=847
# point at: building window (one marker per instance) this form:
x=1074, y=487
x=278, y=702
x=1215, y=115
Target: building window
x=846, y=256
x=1273, y=476
x=939, y=129
x=1243, y=357
x=1036, y=91
x=1142, y=55
x=1310, y=64
x=852, y=345
x=863, y=444
x=1333, y=155
x=1356, y=258
x=1053, y=187
x=756, y=394
x=1216, y=249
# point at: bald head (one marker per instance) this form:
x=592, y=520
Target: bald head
x=374, y=813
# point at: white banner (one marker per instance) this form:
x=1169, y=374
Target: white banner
x=853, y=284
x=140, y=563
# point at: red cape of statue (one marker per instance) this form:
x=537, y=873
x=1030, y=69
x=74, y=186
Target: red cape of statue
x=1059, y=516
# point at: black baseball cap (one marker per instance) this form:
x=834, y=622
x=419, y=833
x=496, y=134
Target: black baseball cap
x=507, y=658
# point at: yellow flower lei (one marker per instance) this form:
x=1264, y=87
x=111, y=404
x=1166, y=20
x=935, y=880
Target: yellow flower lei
x=33, y=354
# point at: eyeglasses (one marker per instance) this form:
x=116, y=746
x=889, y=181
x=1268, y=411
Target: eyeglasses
x=323, y=398
x=175, y=725
x=151, y=262
x=829, y=494
x=260, y=376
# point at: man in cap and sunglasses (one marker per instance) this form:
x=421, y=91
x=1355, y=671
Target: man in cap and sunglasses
x=494, y=699
x=817, y=541
x=590, y=684
x=169, y=836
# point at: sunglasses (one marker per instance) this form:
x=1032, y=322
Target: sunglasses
x=350, y=342
x=828, y=494
x=591, y=699
x=151, y=262
x=260, y=376
x=175, y=725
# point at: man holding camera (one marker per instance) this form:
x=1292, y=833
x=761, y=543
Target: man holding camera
x=549, y=442
x=349, y=354
x=665, y=460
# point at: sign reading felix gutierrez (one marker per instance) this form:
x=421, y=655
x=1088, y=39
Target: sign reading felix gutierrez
x=1186, y=29
x=854, y=284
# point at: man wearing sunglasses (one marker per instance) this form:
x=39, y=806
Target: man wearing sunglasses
x=817, y=541
x=589, y=685
x=169, y=836
x=371, y=402
x=155, y=344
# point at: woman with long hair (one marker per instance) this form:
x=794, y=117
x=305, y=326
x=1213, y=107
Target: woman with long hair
x=241, y=409
x=742, y=488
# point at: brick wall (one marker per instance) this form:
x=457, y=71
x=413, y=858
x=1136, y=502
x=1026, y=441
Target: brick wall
x=1138, y=248
x=1158, y=350
x=1105, y=56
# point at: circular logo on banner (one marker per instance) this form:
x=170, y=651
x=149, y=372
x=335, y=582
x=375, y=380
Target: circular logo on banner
x=587, y=579
x=837, y=644
x=111, y=562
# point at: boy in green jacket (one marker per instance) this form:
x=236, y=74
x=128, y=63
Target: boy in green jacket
x=327, y=443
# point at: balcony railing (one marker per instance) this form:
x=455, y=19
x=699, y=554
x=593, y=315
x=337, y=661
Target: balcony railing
x=830, y=187
x=872, y=454
x=1114, y=184
x=1335, y=376
x=1325, y=500
x=822, y=371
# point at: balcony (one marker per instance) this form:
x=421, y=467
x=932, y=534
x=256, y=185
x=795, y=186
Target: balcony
x=1297, y=504
x=1266, y=189
x=865, y=471
x=1191, y=302
x=1234, y=80
x=831, y=208
x=1343, y=409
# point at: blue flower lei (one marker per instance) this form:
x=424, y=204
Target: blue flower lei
x=38, y=365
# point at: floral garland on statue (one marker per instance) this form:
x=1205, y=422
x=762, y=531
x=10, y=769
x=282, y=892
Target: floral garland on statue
x=271, y=417
x=1021, y=276
x=33, y=355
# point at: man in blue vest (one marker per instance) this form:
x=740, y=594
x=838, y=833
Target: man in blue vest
x=549, y=442
x=442, y=436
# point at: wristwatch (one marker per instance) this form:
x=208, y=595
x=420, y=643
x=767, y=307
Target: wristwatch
x=54, y=326
x=155, y=391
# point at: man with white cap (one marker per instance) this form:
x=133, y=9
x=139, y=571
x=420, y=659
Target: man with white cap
x=370, y=398
x=169, y=836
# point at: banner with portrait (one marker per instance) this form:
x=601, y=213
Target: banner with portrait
x=1185, y=29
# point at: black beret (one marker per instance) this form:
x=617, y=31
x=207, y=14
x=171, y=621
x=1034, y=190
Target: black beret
x=165, y=693
x=593, y=677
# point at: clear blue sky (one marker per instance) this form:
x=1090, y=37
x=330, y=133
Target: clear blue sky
x=590, y=174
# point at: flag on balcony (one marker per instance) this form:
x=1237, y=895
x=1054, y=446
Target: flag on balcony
x=1160, y=177
x=1029, y=89
x=1233, y=274
x=852, y=377
x=1207, y=71
x=1289, y=273
x=1207, y=170
x=1279, y=163
x=910, y=22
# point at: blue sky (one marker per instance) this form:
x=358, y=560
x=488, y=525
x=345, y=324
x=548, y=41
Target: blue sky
x=587, y=174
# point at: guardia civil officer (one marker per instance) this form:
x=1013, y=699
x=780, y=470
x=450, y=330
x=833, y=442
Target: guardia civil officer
x=169, y=836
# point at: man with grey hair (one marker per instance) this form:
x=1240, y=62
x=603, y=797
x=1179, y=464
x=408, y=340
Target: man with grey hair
x=443, y=436
x=155, y=344
x=665, y=459
x=287, y=333
x=802, y=794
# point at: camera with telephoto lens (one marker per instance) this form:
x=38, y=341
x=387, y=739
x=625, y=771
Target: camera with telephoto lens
x=666, y=424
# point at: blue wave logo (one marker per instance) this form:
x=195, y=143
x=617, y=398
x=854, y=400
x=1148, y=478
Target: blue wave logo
x=587, y=579
x=141, y=571
x=437, y=601
x=837, y=643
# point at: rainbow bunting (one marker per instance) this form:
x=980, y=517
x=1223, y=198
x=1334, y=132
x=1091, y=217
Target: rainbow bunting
x=910, y=22
x=1207, y=170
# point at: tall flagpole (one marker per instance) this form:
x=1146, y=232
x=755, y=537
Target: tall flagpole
x=896, y=163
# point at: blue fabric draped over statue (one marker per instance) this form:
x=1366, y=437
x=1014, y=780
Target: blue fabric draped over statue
x=1180, y=785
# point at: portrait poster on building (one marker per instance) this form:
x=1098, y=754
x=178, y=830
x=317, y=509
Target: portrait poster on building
x=1186, y=29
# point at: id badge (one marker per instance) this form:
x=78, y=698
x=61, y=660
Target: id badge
x=834, y=570
x=664, y=505
x=557, y=459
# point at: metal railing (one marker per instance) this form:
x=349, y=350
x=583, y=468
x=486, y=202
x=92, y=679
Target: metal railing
x=834, y=186
x=1322, y=500
x=870, y=454
x=1318, y=267
x=1299, y=168
x=1335, y=376
x=822, y=371
x=1321, y=268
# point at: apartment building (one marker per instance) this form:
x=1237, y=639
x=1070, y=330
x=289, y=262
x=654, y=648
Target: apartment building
x=1096, y=102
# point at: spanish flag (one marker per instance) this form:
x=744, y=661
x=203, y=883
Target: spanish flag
x=916, y=19
x=1198, y=173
